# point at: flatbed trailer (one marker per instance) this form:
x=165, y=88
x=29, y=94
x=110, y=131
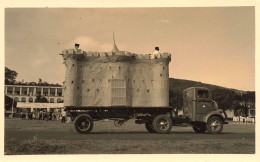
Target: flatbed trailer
x=84, y=117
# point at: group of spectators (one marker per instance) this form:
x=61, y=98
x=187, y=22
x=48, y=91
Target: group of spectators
x=44, y=115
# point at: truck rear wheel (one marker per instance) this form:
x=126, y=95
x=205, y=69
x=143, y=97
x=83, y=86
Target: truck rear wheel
x=199, y=128
x=162, y=124
x=214, y=125
x=149, y=128
x=83, y=124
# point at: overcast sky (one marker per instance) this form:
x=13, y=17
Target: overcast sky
x=211, y=45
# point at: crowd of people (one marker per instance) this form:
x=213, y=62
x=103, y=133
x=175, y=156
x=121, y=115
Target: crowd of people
x=44, y=115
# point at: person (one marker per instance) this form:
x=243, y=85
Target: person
x=156, y=50
x=30, y=115
x=76, y=46
x=63, y=116
x=40, y=115
x=77, y=49
x=33, y=116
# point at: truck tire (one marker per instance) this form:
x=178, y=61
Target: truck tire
x=149, y=128
x=83, y=124
x=162, y=124
x=214, y=125
x=199, y=128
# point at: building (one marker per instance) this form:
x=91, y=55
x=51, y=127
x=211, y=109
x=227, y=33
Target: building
x=25, y=96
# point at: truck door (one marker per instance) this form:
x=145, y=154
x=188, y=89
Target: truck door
x=204, y=104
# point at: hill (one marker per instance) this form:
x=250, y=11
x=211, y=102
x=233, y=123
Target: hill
x=178, y=85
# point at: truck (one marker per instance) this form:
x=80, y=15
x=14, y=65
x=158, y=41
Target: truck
x=120, y=86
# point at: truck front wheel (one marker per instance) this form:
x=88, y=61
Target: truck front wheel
x=214, y=125
x=162, y=124
x=83, y=124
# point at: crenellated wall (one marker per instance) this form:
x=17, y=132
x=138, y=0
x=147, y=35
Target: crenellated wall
x=116, y=79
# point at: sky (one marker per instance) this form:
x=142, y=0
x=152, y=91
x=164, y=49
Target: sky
x=214, y=45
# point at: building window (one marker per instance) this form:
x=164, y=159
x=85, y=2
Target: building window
x=59, y=100
x=9, y=90
x=23, y=99
x=52, y=91
x=24, y=91
x=38, y=91
x=51, y=100
x=16, y=99
x=31, y=89
x=93, y=80
x=160, y=75
x=30, y=99
x=17, y=90
x=59, y=91
x=148, y=90
x=45, y=91
x=88, y=90
x=163, y=68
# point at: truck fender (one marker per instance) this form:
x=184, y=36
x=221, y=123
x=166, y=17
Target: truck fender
x=214, y=113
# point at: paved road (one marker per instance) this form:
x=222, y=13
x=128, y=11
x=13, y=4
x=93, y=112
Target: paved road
x=27, y=129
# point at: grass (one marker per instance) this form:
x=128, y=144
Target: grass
x=35, y=146
x=181, y=141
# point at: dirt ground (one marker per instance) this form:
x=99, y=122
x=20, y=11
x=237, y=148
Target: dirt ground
x=54, y=137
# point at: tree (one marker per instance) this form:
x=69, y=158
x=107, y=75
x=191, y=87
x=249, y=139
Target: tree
x=9, y=102
x=40, y=81
x=32, y=83
x=245, y=102
x=41, y=99
x=225, y=99
x=10, y=76
x=175, y=101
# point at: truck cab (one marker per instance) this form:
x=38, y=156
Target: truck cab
x=202, y=111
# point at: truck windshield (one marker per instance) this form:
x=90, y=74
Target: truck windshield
x=203, y=94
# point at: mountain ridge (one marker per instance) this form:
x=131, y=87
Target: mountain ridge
x=178, y=85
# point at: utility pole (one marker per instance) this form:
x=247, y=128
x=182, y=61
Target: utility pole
x=12, y=109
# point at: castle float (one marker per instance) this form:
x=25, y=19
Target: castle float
x=116, y=78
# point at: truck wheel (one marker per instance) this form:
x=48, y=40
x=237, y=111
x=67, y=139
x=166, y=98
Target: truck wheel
x=83, y=124
x=214, y=125
x=149, y=127
x=199, y=128
x=162, y=124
